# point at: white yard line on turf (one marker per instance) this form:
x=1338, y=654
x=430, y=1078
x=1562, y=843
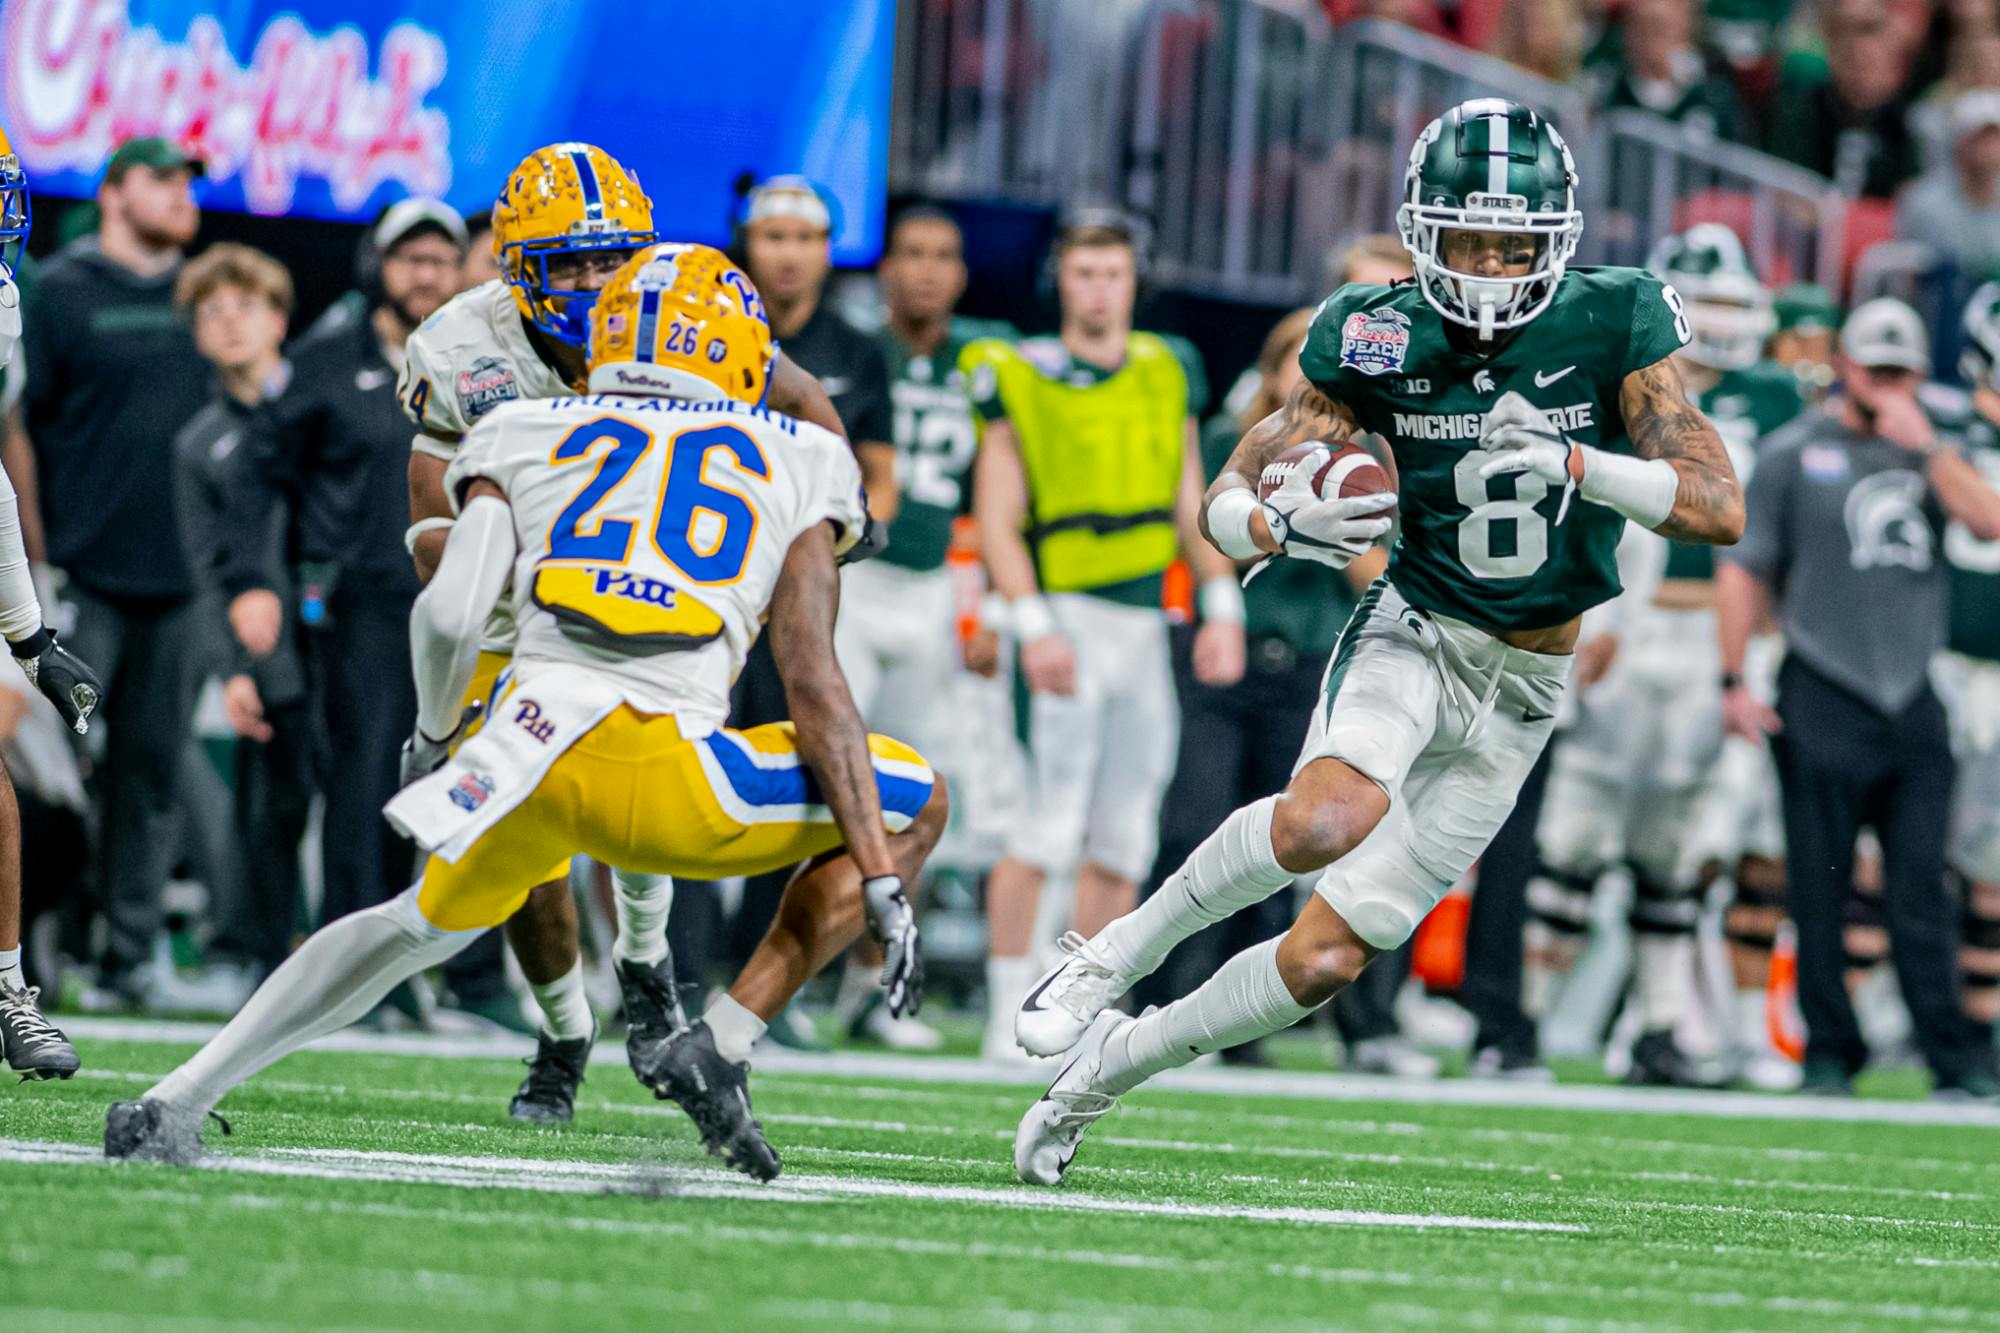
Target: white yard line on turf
x=542, y=1175
x=1550, y=1169
x=1236, y=1082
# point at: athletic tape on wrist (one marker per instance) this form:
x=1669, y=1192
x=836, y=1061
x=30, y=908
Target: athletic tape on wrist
x=1229, y=523
x=1032, y=618
x=1221, y=601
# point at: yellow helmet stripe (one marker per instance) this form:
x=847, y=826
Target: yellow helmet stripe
x=649, y=319
x=586, y=176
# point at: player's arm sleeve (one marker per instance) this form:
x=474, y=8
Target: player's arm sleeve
x=1658, y=326
x=20, y=610
x=1765, y=548
x=837, y=497
x=446, y=622
x=1320, y=358
x=425, y=391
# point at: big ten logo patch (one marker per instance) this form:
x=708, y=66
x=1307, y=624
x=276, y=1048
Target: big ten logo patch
x=634, y=588
x=529, y=718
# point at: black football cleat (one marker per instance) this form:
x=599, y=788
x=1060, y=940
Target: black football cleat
x=35, y=1048
x=687, y=1070
x=150, y=1131
x=1658, y=1063
x=653, y=1012
x=547, y=1096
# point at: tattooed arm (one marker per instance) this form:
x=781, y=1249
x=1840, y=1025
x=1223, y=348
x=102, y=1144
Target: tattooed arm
x=1308, y=415
x=1663, y=424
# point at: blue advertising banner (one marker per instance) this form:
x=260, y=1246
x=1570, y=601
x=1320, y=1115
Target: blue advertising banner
x=332, y=108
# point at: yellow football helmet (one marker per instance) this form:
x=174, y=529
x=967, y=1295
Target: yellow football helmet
x=14, y=215
x=681, y=319
x=566, y=200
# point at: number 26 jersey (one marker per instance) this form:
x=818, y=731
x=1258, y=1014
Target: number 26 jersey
x=1489, y=551
x=652, y=532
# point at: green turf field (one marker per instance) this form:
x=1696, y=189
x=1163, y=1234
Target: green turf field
x=375, y=1191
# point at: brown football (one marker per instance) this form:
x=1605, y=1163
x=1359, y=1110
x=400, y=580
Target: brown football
x=1339, y=468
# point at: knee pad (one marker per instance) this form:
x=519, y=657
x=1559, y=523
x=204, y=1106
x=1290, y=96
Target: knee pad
x=1560, y=901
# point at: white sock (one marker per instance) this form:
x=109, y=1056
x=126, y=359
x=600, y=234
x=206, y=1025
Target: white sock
x=1234, y=868
x=10, y=969
x=1753, y=1029
x=735, y=1028
x=643, y=903
x=1007, y=982
x=1244, y=1000
x=336, y=976
x=566, y=1012
x=1664, y=968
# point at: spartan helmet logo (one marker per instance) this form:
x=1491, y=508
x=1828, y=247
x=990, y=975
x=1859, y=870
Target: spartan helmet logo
x=1482, y=380
x=1886, y=524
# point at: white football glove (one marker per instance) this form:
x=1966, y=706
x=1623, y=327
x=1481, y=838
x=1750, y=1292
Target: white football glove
x=1332, y=532
x=423, y=756
x=893, y=925
x=1523, y=439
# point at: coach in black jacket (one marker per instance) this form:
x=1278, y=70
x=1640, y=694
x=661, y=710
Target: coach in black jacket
x=330, y=453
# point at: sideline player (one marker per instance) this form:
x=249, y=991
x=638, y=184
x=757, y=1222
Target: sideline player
x=34, y=1047
x=1532, y=409
x=648, y=530
x=569, y=216
x=897, y=636
x=1629, y=781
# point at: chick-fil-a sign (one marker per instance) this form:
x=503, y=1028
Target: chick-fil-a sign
x=77, y=77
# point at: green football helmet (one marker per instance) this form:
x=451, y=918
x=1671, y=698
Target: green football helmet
x=1728, y=309
x=1490, y=165
x=1979, y=363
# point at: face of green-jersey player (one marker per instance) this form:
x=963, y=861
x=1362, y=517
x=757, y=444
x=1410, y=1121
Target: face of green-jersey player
x=923, y=273
x=1470, y=256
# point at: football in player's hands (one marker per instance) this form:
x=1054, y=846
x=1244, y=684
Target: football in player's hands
x=1340, y=470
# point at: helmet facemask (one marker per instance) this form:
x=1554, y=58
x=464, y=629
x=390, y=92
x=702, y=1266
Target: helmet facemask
x=1729, y=319
x=564, y=312
x=1488, y=303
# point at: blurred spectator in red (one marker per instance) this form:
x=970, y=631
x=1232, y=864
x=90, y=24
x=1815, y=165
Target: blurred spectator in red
x=1423, y=15
x=1850, y=124
x=1654, y=63
x=1955, y=208
x=1544, y=37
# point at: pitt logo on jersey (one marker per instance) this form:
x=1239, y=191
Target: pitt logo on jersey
x=610, y=607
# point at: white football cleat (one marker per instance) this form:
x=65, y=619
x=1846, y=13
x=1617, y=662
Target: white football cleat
x=1068, y=998
x=1054, y=1126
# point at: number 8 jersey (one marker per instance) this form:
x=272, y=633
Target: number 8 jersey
x=1489, y=552
x=652, y=532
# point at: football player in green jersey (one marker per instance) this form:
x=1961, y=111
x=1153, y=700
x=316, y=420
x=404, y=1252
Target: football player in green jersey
x=1532, y=409
x=896, y=638
x=1969, y=678
x=1635, y=775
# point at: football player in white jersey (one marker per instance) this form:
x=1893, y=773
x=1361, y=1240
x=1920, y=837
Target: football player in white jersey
x=569, y=216
x=31, y=1045
x=647, y=531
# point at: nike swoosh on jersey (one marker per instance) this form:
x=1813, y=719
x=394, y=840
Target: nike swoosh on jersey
x=1544, y=381
x=370, y=380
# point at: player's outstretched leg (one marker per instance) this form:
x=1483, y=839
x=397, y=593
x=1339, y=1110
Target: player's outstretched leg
x=33, y=1047
x=644, y=963
x=543, y=934
x=1326, y=810
x=1262, y=990
x=338, y=975
x=705, y=1067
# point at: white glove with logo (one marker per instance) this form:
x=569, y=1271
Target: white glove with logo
x=1332, y=532
x=893, y=925
x=423, y=755
x=1523, y=439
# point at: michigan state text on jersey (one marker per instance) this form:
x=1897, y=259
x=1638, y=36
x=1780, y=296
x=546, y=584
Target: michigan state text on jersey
x=1530, y=410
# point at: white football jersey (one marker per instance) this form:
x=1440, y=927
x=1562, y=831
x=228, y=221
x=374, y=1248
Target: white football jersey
x=652, y=532
x=468, y=358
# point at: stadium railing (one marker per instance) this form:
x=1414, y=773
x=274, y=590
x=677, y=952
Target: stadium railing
x=1256, y=137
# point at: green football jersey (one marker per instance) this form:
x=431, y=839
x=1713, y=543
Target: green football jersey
x=1744, y=406
x=935, y=440
x=1490, y=552
x=1974, y=565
